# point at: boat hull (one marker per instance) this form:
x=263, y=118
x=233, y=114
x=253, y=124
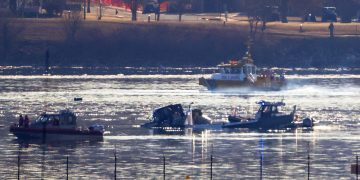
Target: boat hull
x=263, y=84
x=63, y=134
x=277, y=122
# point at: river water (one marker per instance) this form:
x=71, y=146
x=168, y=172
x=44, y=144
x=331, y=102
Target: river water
x=123, y=102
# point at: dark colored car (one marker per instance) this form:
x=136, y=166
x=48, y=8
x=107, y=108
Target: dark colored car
x=271, y=13
x=329, y=14
x=151, y=7
x=309, y=18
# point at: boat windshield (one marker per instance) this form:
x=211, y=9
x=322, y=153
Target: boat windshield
x=269, y=109
x=249, y=69
x=231, y=70
x=42, y=119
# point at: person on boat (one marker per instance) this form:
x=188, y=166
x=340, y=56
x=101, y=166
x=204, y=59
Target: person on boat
x=26, y=121
x=21, y=121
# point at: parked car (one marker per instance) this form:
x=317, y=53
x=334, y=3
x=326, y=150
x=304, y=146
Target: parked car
x=151, y=7
x=309, y=17
x=272, y=13
x=356, y=18
x=329, y=14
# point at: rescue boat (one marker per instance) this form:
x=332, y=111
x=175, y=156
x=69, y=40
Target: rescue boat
x=243, y=73
x=62, y=125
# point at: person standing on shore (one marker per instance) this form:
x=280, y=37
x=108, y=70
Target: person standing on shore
x=331, y=29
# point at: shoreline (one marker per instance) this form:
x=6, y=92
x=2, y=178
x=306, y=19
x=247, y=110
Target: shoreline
x=158, y=44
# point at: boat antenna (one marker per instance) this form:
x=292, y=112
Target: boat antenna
x=248, y=57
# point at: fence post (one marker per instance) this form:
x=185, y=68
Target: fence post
x=67, y=167
x=115, y=164
x=211, y=167
x=357, y=167
x=164, y=173
x=308, y=158
x=18, y=174
x=261, y=165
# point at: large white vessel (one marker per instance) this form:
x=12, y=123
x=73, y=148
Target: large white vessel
x=243, y=73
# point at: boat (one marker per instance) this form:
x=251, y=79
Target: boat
x=174, y=118
x=62, y=125
x=243, y=73
x=268, y=117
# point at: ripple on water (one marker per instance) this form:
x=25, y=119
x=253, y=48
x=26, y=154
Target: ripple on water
x=123, y=102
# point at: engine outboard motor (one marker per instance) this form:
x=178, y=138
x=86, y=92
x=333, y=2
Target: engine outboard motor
x=97, y=128
x=307, y=122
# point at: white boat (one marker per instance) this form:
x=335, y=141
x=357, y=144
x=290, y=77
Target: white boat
x=243, y=73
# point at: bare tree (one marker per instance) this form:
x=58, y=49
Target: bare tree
x=180, y=8
x=72, y=23
x=284, y=6
x=88, y=6
x=134, y=5
x=255, y=14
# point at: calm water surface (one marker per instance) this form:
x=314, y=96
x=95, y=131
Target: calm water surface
x=124, y=102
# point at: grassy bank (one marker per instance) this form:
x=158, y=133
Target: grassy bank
x=174, y=44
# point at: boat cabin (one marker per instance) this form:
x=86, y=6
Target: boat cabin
x=269, y=109
x=237, y=69
x=64, y=119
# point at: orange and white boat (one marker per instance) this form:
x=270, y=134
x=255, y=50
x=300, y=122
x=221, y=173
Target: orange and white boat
x=243, y=73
